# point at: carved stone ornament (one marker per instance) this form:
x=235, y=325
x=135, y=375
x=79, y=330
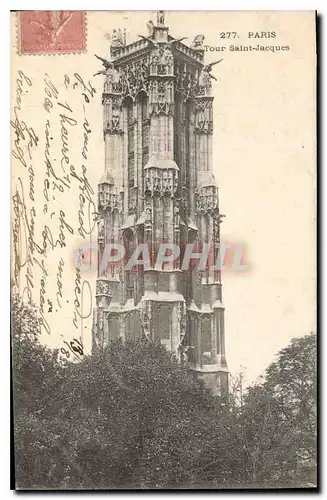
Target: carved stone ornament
x=177, y=218
x=198, y=42
x=162, y=182
x=161, y=97
x=101, y=228
x=132, y=79
x=146, y=319
x=217, y=220
x=162, y=61
x=183, y=202
x=101, y=323
x=112, y=107
x=181, y=317
x=205, y=81
x=117, y=39
x=132, y=201
x=102, y=287
x=203, y=117
x=207, y=200
x=186, y=81
x=148, y=216
x=112, y=79
x=109, y=199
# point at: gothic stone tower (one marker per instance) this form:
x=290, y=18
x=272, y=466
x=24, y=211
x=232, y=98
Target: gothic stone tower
x=158, y=187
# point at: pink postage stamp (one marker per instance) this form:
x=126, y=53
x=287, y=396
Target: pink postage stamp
x=48, y=32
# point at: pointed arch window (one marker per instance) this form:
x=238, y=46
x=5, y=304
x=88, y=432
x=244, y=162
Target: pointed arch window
x=130, y=149
x=206, y=340
x=145, y=128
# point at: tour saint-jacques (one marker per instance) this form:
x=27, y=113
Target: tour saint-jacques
x=158, y=186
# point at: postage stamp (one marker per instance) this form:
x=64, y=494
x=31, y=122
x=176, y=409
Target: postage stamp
x=49, y=32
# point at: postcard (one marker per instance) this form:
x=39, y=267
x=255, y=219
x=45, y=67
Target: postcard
x=163, y=245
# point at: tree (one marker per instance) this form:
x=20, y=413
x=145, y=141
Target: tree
x=147, y=412
x=35, y=380
x=279, y=419
x=130, y=416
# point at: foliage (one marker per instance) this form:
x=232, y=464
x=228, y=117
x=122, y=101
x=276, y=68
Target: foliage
x=278, y=420
x=130, y=416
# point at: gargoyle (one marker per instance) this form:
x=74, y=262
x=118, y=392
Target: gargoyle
x=107, y=66
x=208, y=68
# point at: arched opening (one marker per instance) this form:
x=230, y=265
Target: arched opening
x=206, y=343
x=164, y=316
x=130, y=126
x=192, y=270
x=133, y=326
x=129, y=245
x=113, y=327
x=220, y=327
x=140, y=269
x=144, y=125
x=192, y=353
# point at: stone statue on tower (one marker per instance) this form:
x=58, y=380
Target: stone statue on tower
x=161, y=18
